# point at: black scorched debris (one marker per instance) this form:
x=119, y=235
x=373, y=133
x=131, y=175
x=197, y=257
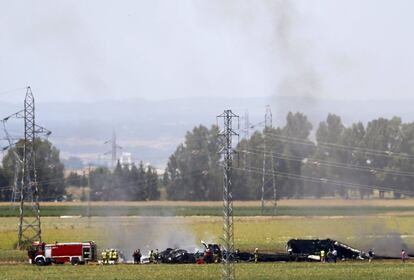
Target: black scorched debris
x=176, y=256
x=313, y=247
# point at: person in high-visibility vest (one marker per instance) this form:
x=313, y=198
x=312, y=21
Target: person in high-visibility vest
x=322, y=255
x=116, y=256
x=111, y=256
x=156, y=256
x=104, y=259
x=256, y=255
x=107, y=256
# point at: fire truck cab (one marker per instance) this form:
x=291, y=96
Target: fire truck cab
x=59, y=253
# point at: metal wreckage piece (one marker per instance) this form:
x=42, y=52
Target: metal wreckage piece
x=177, y=256
x=298, y=250
x=311, y=249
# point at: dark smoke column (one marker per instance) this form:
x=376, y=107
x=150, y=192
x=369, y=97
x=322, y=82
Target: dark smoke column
x=226, y=135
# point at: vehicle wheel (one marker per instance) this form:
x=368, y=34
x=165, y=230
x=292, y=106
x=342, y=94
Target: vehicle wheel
x=40, y=261
x=74, y=261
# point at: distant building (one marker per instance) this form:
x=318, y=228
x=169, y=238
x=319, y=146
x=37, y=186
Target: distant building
x=125, y=159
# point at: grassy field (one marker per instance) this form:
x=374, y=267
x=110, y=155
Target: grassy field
x=284, y=202
x=56, y=211
x=266, y=233
x=384, y=225
x=308, y=271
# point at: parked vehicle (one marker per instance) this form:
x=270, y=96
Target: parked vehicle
x=59, y=253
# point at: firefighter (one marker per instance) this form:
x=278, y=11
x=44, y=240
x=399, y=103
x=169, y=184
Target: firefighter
x=329, y=256
x=335, y=255
x=151, y=256
x=370, y=255
x=137, y=256
x=111, y=256
x=403, y=256
x=208, y=257
x=116, y=256
x=256, y=255
x=107, y=255
x=218, y=256
x=323, y=255
x=104, y=259
x=156, y=254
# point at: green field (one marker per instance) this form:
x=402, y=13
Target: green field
x=151, y=210
x=308, y=271
x=130, y=226
x=266, y=233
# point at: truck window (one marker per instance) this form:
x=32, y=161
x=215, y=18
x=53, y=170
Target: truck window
x=86, y=252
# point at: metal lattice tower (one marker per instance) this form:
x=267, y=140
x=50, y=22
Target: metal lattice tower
x=268, y=190
x=29, y=222
x=25, y=186
x=246, y=130
x=228, y=271
x=114, y=150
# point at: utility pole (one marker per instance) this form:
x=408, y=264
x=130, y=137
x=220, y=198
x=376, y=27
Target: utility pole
x=264, y=188
x=246, y=159
x=25, y=182
x=29, y=220
x=114, y=149
x=88, y=209
x=81, y=184
x=228, y=271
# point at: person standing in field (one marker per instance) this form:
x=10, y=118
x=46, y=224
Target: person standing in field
x=334, y=255
x=370, y=255
x=323, y=255
x=104, y=259
x=156, y=254
x=403, y=256
x=137, y=256
x=256, y=255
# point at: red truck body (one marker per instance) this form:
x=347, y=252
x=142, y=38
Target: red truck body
x=59, y=253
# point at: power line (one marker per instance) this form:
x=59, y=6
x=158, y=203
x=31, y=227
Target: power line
x=374, y=152
x=318, y=162
x=330, y=181
x=12, y=90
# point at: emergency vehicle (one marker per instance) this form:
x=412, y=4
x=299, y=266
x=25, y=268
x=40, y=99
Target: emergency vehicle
x=59, y=253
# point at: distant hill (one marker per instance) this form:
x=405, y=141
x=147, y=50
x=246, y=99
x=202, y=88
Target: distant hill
x=151, y=130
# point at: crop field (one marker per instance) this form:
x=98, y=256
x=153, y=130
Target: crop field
x=283, y=271
x=214, y=208
x=384, y=230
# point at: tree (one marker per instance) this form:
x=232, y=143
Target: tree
x=384, y=135
x=152, y=183
x=49, y=169
x=299, y=147
x=192, y=172
x=99, y=183
x=329, y=132
x=5, y=187
x=354, y=136
x=76, y=180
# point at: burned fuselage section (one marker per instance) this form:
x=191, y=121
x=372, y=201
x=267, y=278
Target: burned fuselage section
x=313, y=248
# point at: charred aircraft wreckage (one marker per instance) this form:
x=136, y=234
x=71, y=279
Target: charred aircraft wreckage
x=297, y=250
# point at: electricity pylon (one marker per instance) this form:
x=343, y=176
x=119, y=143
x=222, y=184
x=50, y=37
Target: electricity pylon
x=228, y=271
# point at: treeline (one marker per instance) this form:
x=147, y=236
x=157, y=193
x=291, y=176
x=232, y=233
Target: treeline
x=296, y=160
x=341, y=161
x=124, y=183
x=49, y=171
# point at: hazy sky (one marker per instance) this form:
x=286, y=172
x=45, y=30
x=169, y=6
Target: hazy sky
x=98, y=50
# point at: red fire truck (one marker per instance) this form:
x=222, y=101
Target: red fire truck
x=59, y=253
